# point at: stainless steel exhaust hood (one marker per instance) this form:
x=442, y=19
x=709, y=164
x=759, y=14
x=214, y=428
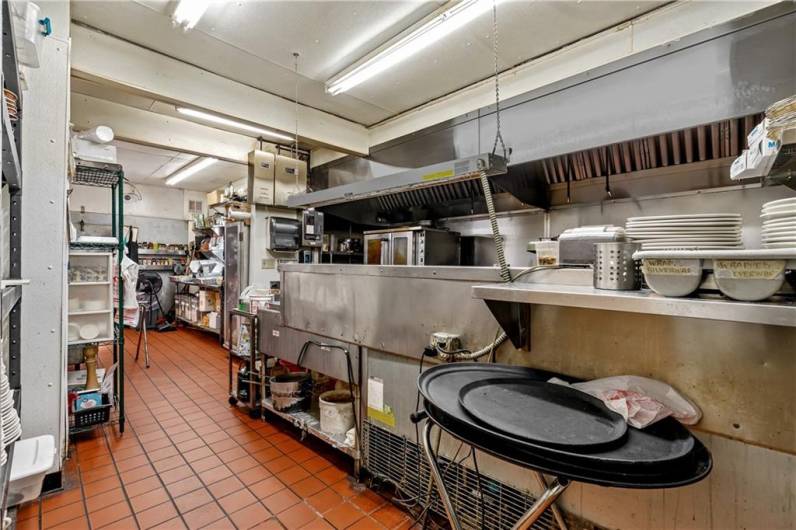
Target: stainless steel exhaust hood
x=440, y=190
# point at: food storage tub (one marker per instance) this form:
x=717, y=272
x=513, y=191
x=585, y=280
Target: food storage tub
x=33, y=457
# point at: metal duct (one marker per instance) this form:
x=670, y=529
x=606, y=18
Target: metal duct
x=712, y=141
x=440, y=190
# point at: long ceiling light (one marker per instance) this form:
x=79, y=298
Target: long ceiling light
x=215, y=118
x=188, y=12
x=189, y=171
x=441, y=25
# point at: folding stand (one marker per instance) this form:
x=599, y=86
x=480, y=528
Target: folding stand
x=545, y=500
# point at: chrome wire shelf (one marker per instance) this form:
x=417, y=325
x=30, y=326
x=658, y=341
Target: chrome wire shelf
x=96, y=174
x=400, y=461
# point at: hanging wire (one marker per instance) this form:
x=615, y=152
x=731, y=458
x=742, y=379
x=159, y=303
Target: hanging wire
x=498, y=132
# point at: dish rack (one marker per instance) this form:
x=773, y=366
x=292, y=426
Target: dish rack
x=746, y=275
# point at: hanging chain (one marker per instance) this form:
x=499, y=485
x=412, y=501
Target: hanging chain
x=498, y=133
x=295, y=111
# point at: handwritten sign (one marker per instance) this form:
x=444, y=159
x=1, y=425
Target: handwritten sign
x=672, y=267
x=747, y=269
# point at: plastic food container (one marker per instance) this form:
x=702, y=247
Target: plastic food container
x=749, y=280
x=672, y=277
x=27, y=32
x=32, y=459
x=546, y=252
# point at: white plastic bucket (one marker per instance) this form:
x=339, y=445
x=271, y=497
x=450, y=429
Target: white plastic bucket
x=337, y=411
x=33, y=457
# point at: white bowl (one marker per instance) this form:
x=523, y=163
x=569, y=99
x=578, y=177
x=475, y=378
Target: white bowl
x=94, y=305
x=749, y=280
x=89, y=331
x=672, y=277
x=74, y=331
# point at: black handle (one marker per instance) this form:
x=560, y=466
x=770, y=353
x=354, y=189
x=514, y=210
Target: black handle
x=418, y=416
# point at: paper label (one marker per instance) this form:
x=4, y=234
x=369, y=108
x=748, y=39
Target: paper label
x=737, y=269
x=387, y=417
x=275, y=332
x=376, y=394
x=672, y=267
x=438, y=175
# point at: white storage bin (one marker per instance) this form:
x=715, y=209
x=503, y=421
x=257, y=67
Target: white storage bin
x=32, y=459
x=27, y=31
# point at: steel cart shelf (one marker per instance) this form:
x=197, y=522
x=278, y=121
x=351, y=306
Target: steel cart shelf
x=246, y=353
x=109, y=176
x=11, y=286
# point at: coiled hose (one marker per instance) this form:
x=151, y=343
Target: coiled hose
x=505, y=275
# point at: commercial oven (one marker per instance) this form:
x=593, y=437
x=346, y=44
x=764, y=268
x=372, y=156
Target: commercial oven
x=415, y=245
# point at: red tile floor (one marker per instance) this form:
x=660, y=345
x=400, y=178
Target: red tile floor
x=189, y=460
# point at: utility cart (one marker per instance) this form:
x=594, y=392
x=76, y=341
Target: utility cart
x=247, y=376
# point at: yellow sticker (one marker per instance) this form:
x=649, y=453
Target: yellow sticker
x=386, y=416
x=439, y=175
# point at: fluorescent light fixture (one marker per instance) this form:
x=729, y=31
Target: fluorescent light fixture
x=441, y=25
x=188, y=12
x=190, y=170
x=215, y=118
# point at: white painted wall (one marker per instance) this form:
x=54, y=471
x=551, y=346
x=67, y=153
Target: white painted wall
x=161, y=214
x=160, y=202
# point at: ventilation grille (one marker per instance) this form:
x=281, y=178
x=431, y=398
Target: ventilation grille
x=706, y=142
x=194, y=207
x=401, y=462
x=454, y=191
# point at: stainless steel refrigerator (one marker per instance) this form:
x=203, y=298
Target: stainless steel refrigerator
x=236, y=269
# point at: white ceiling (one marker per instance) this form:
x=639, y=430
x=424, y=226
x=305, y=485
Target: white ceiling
x=152, y=165
x=252, y=42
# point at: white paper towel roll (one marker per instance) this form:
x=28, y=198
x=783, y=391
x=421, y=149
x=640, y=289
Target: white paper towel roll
x=101, y=134
x=240, y=216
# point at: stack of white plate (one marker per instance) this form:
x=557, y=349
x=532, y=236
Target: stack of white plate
x=705, y=231
x=9, y=420
x=779, y=224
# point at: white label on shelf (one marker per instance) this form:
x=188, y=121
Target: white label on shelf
x=275, y=332
x=747, y=269
x=376, y=394
x=671, y=267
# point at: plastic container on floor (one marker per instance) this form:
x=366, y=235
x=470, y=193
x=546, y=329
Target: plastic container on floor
x=32, y=459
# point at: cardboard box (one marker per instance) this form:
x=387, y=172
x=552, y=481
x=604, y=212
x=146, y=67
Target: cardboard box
x=87, y=400
x=88, y=150
x=212, y=320
x=761, y=155
x=757, y=133
x=215, y=197
x=740, y=168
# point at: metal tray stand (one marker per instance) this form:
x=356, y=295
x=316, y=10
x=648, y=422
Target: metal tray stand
x=664, y=455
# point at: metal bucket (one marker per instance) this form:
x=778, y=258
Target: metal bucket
x=614, y=266
x=291, y=392
x=337, y=411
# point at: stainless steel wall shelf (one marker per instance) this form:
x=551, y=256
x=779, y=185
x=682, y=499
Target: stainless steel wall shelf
x=587, y=297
